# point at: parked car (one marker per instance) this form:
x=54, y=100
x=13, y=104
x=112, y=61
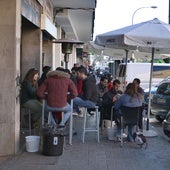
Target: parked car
x=153, y=91
x=146, y=96
x=166, y=125
x=160, y=104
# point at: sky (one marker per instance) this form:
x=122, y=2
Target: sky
x=114, y=14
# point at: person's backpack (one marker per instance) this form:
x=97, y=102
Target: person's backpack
x=140, y=139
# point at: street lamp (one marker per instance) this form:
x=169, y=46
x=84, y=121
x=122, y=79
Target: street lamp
x=153, y=7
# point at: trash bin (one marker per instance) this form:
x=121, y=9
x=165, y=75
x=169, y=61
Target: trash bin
x=53, y=141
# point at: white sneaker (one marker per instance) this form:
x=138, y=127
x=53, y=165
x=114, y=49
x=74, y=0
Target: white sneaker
x=124, y=135
x=80, y=114
x=75, y=114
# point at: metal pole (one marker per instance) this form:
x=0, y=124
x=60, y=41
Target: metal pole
x=148, y=132
x=150, y=86
x=126, y=61
x=66, y=59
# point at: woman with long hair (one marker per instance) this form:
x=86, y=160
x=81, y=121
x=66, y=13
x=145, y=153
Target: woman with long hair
x=131, y=98
x=29, y=98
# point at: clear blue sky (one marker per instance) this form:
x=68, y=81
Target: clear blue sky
x=115, y=14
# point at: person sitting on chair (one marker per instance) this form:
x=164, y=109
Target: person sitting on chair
x=57, y=86
x=131, y=99
x=90, y=94
x=109, y=98
x=102, y=88
x=29, y=98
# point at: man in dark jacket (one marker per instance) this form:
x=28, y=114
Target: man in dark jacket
x=102, y=88
x=58, y=86
x=109, y=98
x=90, y=94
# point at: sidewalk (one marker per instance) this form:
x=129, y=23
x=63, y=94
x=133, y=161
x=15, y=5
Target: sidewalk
x=106, y=155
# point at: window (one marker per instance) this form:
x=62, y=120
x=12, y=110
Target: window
x=164, y=89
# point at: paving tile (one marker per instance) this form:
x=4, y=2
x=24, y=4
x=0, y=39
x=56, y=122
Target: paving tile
x=91, y=155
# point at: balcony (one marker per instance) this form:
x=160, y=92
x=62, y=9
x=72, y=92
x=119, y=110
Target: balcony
x=76, y=18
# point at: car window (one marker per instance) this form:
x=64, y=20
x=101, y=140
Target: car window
x=164, y=89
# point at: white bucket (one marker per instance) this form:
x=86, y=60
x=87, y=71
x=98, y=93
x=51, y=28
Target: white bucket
x=32, y=143
x=111, y=133
x=107, y=123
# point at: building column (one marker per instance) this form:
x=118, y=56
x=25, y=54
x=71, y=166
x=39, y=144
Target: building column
x=10, y=32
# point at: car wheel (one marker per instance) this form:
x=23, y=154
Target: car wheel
x=167, y=132
x=159, y=118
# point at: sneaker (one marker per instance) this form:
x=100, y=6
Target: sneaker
x=91, y=113
x=124, y=135
x=75, y=114
x=80, y=114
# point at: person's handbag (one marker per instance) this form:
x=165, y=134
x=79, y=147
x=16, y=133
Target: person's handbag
x=140, y=139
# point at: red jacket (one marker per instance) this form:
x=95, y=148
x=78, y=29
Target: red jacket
x=79, y=86
x=58, y=86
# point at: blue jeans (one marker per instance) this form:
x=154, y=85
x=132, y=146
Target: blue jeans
x=66, y=110
x=79, y=102
x=131, y=130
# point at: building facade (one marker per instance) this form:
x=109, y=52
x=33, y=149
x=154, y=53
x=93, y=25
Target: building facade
x=27, y=30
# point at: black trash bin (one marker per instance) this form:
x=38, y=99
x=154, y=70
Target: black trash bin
x=53, y=141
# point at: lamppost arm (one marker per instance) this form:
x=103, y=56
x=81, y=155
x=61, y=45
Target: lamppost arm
x=141, y=8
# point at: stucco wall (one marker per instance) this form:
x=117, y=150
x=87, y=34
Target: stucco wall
x=9, y=67
x=47, y=50
x=30, y=47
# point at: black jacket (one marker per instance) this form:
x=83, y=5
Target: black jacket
x=90, y=90
x=28, y=92
x=108, y=103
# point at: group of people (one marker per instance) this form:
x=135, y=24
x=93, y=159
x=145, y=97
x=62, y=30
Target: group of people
x=59, y=86
x=133, y=96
